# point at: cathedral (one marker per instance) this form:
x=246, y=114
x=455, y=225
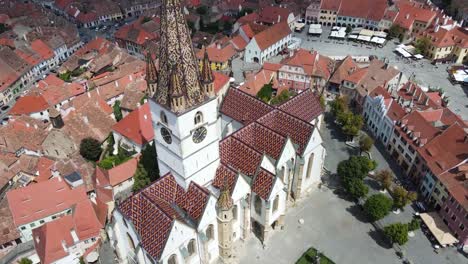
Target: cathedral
x=230, y=164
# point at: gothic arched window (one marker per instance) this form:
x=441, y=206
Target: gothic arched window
x=172, y=259
x=258, y=205
x=198, y=118
x=210, y=232
x=163, y=118
x=275, y=203
x=191, y=247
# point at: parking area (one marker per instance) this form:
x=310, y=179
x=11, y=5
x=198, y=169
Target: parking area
x=338, y=227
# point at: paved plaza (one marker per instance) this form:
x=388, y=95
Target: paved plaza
x=338, y=228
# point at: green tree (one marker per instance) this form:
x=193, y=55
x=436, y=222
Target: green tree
x=265, y=93
x=397, y=233
x=355, y=187
x=352, y=125
x=281, y=98
x=145, y=19
x=66, y=76
x=396, y=31
x=82, y=260
x=401, y=197
x=348, y=29
x=365, y=143
x=415, y=224
x=339, y=105
x=3, y=28
x=117, y=111
x=322, y=102
x=191, y=26
x=355, y=167
x=202, y=10
x=90, y=149
x=149, y=161
x=227, y=25
x=385, y=177
x=422, y=45
x=140, y=179
x=25, y=261
x=377, y=206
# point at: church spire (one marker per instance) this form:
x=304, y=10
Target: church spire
x=151, y=75
x=176, y=49
x=207, y=78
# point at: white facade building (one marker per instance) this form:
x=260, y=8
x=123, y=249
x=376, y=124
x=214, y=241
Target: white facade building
x=268, y=43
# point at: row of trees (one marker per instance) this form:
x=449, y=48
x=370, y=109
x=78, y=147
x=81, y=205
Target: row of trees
x=350, y=123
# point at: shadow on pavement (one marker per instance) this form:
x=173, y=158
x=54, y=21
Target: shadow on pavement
x=379, y=238
x=372, y=183
x=358, y=213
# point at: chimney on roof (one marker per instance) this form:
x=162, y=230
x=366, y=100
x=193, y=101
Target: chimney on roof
x=426, y=102
x=218, y=45
x=27, y=125
x=145, y=117
x=116, y=84
x=130, y=77
x=407, y=16
x=89, y=95
x=446, y=20
x=436, y=28
x=85, y=119
x=437, y=21
x=74, y=236
x=35, y=126
x=279, y=18
x=64, y=246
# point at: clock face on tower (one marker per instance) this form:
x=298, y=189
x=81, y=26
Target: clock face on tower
x=199, y=134
x=166, y=135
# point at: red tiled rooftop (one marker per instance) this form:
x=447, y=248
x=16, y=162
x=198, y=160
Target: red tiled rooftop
x=137, y=126
x=239, y=156
x=271, y=35
x=42, y=49
x=220, y=80
x=263, y=183
x=243, y=107
x=117, y=174
x=29, y=104
x=262, y=139
x=29, y=203
x=305, y=106
x=152, y=210
x=289, y=126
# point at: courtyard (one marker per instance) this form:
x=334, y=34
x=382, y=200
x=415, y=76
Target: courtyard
x=338, y=228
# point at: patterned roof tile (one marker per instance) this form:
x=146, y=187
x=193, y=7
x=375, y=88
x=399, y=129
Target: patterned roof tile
x=239, y=156
x=262, y=139
x=289, y=126
x=305, y=106
x=263, y=184
x=243, y=107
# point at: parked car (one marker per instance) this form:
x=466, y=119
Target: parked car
x=5, y=107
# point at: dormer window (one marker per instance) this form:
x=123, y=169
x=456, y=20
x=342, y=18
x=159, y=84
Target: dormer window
x=163, y=118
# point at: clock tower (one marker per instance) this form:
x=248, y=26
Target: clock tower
x=184, y=106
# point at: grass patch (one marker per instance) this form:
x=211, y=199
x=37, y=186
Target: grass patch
x=310, y=256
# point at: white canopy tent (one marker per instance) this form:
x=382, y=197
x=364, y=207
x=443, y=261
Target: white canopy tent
x=380, y=34
x=366, y=32
x=338, y=34
x=403, y=52
x=438, y=228
x=364, y=38
x=315, y=29
x=418, y=56
x=352, y=36
x=378, y=40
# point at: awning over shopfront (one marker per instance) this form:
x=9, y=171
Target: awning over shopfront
x=364, y=38
x=438, y=228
